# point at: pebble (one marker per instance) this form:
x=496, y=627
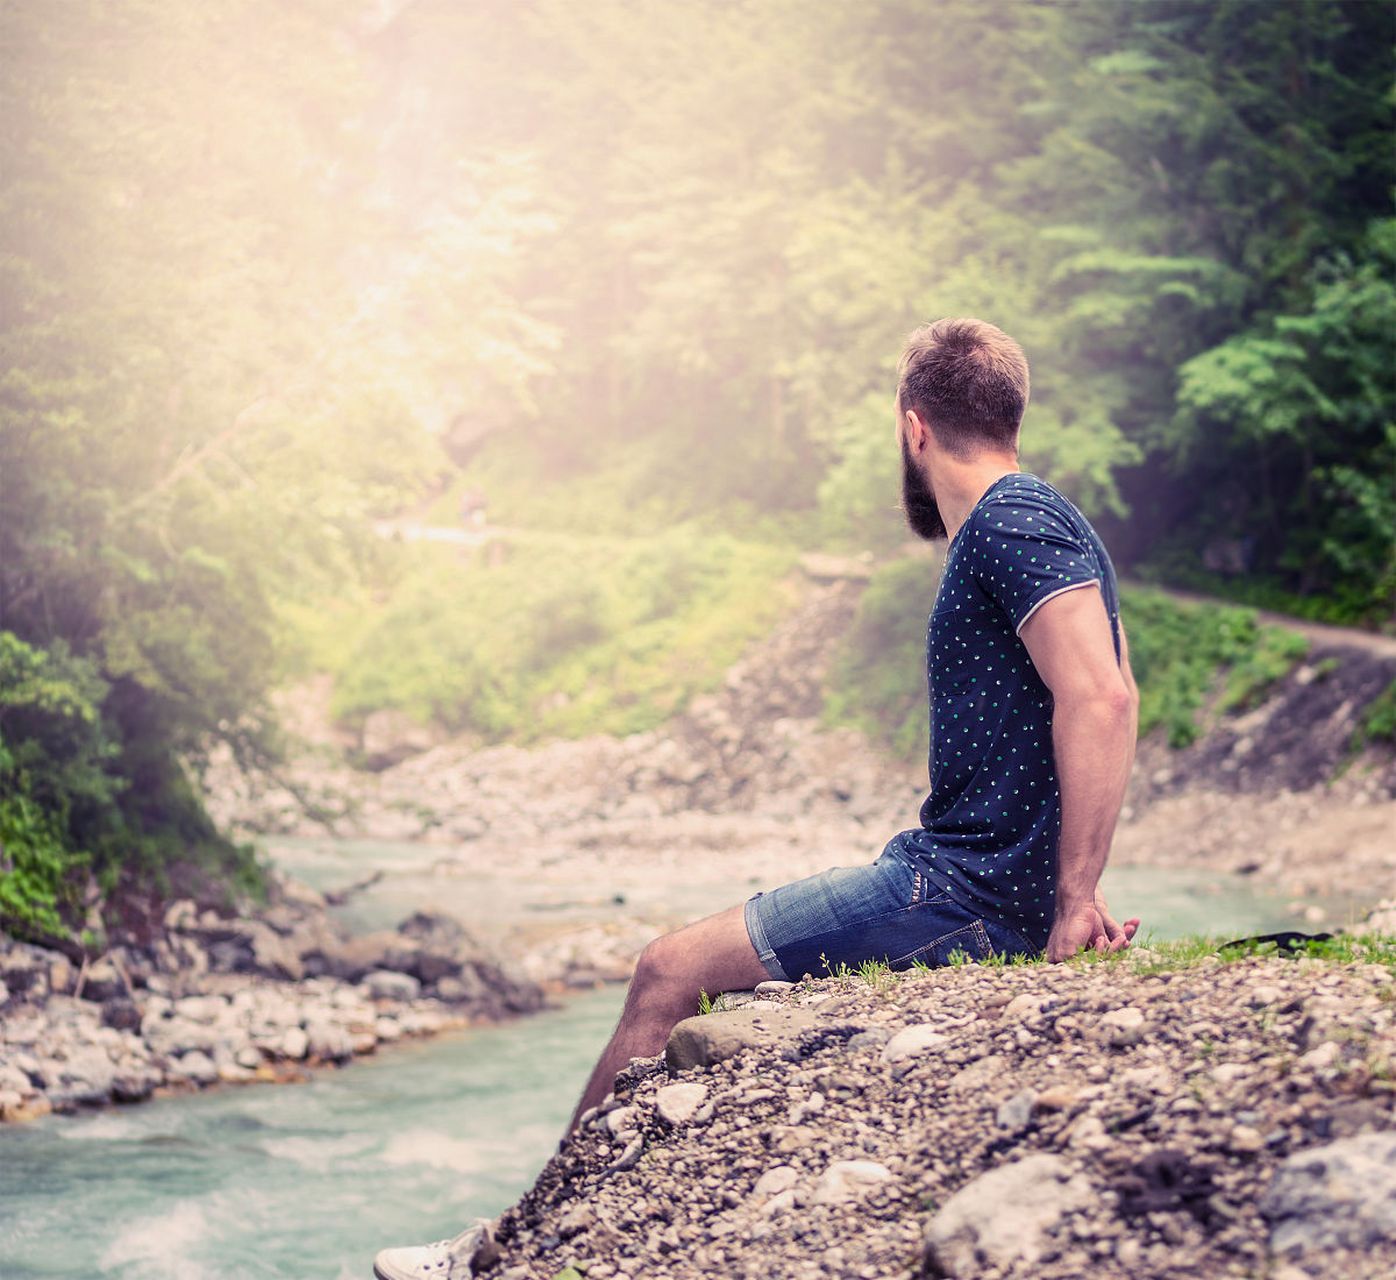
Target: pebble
x=779, y=1177
x=678, y=1103
x=912, y=1042
x=1015, y=1113
x=847, y=1179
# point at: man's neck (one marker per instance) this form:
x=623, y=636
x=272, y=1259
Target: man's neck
x=959, y=485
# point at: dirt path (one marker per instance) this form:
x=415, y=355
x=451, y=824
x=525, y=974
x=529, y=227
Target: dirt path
x=1318, y=632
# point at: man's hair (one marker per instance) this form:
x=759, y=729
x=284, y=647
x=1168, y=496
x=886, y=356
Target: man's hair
x=968, y=381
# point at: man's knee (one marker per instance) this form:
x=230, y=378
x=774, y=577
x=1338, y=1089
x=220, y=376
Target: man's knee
x=661, y=974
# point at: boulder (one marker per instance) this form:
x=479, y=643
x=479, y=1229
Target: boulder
x=385, y=984
x=122, y=1013
x=102, y=982
x=1000, y=1220
x=328, y=1041
x=709, y=1038
x=195, y=1065
x=1342, y=1195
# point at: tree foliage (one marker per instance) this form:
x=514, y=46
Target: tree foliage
x=273, y=270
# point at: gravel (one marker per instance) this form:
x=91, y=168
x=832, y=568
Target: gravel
x=1215, y=1120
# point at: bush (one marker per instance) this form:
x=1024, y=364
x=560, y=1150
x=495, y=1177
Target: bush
x=564, y=635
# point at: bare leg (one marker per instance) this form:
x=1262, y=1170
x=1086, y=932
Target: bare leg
x=714, y=954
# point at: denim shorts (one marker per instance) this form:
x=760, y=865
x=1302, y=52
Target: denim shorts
x=886, y=911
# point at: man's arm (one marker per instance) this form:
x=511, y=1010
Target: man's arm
x=1095, y=718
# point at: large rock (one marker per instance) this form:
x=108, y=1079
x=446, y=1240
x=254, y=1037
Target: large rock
x=1339, y=1195
x=1001, y=1218
x=102, y=982
x=714, y=1037
x=384, y=984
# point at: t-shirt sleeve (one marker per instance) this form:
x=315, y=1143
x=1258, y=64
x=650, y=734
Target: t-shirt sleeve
x=1024, y=552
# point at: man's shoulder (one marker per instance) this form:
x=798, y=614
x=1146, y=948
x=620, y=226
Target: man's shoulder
x=1027, y=504
x=1030, y=492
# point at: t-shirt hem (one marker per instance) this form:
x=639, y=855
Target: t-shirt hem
x=1054, y=592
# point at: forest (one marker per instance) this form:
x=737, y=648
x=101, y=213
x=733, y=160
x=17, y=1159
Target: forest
x=280, y=274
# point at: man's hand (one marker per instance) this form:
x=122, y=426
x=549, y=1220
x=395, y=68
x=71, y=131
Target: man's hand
x=1088, y=924
x=1117, y=935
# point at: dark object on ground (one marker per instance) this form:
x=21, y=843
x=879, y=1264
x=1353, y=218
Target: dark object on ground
x=1165, y=1181
x=1285, y=941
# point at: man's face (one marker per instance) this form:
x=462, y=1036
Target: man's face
x=918, y=501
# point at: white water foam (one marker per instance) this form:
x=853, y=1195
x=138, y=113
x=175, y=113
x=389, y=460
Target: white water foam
x=161, y=1245
x=319, y=1154
x=427, y=1147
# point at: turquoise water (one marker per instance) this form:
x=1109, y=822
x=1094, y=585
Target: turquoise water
x=302, y=1181
x=308, y=1181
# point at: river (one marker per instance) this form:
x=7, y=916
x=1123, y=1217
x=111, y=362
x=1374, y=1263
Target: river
x=307, y=1181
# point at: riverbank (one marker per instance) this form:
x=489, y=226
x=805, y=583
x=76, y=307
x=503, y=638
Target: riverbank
x=1159, y=1114
x=210, y=998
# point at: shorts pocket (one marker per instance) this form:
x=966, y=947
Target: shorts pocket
x=970, y=937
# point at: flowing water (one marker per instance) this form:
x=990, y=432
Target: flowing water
x=307, y=1181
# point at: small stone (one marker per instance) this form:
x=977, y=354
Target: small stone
x=1123, y=1027
x=1015, y=1113
x=847, y=1179
x=912, y=1042
x=1057, y=1098
x=773, y=987
x=811, y=1106
x=1023, y=1006
x=678, y=1103
x=580, y=1217
x=980, y=1072
x=872, y=1038
x=1325, y=1055
x=778, y=1178
x=1244, y=1140
x=621, y=1119
x=629, y=1157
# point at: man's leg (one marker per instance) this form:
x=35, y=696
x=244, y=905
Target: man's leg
x=714, y=954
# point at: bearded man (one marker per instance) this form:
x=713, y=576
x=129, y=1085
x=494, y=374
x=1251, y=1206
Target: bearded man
x=1033, y=710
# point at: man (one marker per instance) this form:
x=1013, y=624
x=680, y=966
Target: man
x=1034, y=712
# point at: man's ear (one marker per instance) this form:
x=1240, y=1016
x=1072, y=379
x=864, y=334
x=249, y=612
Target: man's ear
x=917, y=433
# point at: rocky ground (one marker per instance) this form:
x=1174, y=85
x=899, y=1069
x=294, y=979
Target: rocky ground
x=1123, y=1117
x=212, y=998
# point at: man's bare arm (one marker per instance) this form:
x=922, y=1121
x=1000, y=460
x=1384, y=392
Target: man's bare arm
x=1094, y=725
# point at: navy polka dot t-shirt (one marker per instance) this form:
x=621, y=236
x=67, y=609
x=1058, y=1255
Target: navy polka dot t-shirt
x=991, y=822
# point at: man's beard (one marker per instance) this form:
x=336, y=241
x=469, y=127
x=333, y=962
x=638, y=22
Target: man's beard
x=918, y=502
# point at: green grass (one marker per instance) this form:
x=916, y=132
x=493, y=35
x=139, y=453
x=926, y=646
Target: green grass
x=547, y=637
x=1187, y=655
x=1378, y=722
x=1145, y=955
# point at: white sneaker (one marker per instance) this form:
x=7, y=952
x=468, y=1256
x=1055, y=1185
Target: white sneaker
x=452, y=1259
